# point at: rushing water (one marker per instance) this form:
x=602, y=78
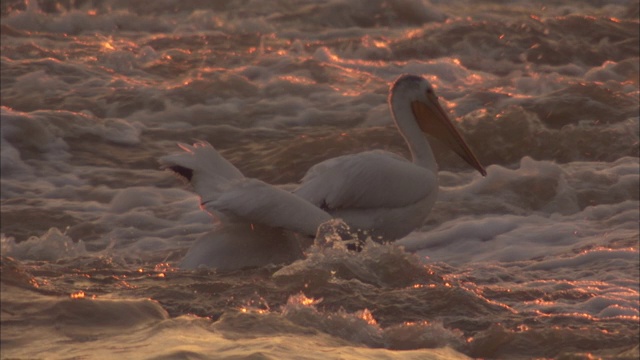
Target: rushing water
x=539, y=259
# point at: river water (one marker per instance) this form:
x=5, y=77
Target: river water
x=539, y=259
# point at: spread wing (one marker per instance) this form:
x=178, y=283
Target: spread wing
x=253, y=201
x=374, y=179
x=227, y=194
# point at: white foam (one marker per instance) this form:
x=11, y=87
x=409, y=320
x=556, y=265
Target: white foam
x=541, y=211
x=131, y=198
x=94, y=92
x=52, y=246
x=11, y=163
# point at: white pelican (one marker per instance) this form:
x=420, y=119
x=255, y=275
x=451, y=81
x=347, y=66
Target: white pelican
x=377, y=193
x=380, y=193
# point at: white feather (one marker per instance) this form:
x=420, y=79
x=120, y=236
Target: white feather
x=251, y=200
x=369, y=180
x=233, y=198
x=211, y=171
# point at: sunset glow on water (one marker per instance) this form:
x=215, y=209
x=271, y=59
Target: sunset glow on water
x=539, y=259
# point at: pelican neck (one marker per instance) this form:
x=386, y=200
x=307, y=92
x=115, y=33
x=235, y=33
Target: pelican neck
x=421, y=152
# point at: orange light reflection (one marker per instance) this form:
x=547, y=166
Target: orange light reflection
x=77, y=295
x=297, y=80
x=368, y=317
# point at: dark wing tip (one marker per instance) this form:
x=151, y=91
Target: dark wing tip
x=182, y=171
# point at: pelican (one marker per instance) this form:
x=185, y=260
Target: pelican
x=377, y=194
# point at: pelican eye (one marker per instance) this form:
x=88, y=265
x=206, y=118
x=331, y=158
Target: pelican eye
x=429, y=92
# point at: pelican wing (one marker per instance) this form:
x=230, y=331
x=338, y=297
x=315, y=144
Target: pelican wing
x=253, y=201
x=203, y=167
x=374, y=179
x=227, y=194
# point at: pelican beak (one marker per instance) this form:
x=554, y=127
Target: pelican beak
x=434, y=121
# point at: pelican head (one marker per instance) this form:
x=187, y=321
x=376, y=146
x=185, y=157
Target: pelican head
x=413, y=101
